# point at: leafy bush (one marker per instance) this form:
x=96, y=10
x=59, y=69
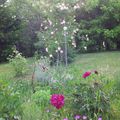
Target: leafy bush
x=90, y=99
x=18, y=62
x=9, y=101
x=42, y=72
x=41, y=98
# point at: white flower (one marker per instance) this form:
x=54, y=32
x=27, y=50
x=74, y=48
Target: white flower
x=74, y=20
x=52, y=33
x=62, y=6
x=56, y=51
x=76, y=6
x=56, y=42
x=63, y=22
x=85, y=47
x=59, y=48
x=74, y=31
x=46, y=49
x=83, y=3
x=61, y=51
x=77, y=29
x=51, y=55
x=103, y=43
x=72, y=37
x=65, y=28
x=50, y=10
x=46, y=28
x=75, y=46
x=87, y=39
x=50, y=22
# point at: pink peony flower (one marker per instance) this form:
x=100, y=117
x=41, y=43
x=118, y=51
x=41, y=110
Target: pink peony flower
x=86, y=74
x=57, y=100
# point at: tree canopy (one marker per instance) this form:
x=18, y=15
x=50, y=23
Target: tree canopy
x=91, y=25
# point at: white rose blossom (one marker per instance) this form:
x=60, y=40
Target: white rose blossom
x=65, y=28
x=50, y=55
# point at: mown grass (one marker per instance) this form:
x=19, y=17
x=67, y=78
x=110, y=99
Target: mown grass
x=107, y=63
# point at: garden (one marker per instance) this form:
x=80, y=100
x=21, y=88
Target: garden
x=59, y=60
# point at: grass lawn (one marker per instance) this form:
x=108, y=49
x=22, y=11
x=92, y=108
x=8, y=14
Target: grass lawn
x=107, y=63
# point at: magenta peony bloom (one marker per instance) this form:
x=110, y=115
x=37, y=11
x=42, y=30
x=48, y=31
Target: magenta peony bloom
x=57, y=100
x=86, y=74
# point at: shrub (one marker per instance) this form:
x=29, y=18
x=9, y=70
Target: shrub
x=42, y=72
x=90, y=99
x=41, y=98
x=10, y=104
x=18, y=62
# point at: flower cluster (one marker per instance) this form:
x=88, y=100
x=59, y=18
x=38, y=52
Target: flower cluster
x=57, y=100
x=88, y=73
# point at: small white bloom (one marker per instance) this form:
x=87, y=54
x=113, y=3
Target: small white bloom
x=72, y=37
x=50, y=22
x=59, y=48
x=83, y=3
x=63, y=22
x=61, y=51
x=56, y=42
x=74, y=20
x=52, y=33
x=104, y=44
x=65, y=28
x=51, y=55
x=76, y=6
x=46, y=49
x=74, y=31
x=85, y=47
x=77, y=29
x=75, y=46
x=87, y=39
x=46, y=28
x=50, y=10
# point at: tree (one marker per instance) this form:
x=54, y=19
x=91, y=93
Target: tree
x=9, y=31
x=99, y=23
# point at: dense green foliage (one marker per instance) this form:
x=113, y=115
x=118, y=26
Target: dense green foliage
x=92, y=25
x=99, y=25
x=9, y=31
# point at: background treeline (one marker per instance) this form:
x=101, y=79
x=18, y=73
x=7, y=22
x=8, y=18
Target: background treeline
x=98, y=23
